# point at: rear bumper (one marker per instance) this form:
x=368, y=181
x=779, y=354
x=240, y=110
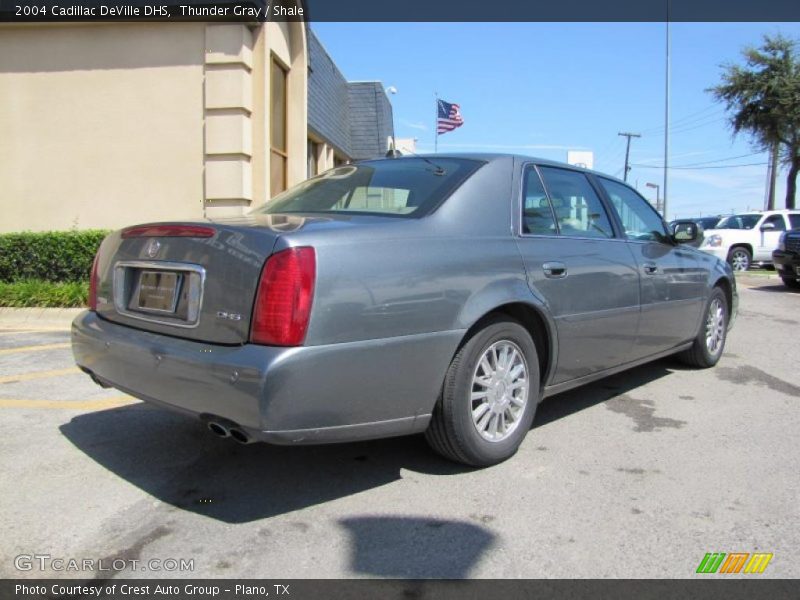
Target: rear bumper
x=306, y=395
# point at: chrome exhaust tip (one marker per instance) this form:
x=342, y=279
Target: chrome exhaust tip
x=218, y=429
x=240, y=436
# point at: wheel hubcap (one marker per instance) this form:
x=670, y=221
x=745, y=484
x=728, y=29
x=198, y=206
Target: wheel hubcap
x=715, y=326
x=740, y=261
x=500, y=388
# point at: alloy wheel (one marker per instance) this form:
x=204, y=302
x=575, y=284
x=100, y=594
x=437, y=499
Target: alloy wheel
x=715, y=327
x=500, y=390
x=740, y=261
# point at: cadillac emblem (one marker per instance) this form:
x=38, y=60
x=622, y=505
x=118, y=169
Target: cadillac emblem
x=152, y=248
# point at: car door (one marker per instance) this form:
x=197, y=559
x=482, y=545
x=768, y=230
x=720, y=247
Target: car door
x=579, y=268
x=673, y=277
x=769, y=233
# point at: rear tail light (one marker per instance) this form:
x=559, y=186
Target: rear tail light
x=94, y=280
x=196, y=231
x=283, y=300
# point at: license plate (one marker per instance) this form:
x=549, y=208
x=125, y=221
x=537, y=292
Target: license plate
x=157, y=291
x=797, y=270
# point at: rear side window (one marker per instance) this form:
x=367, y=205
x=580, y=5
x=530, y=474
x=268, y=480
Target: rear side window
x=401, y=187
x=537, y=214
x=576, y=205
x=639, y=220
x=777, y=221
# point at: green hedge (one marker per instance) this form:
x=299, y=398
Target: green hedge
x=20, y=294
x=54, y=256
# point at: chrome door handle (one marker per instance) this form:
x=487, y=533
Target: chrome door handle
x=650, y=268
x=554, y=270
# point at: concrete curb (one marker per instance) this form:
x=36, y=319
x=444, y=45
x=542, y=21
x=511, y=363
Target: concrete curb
x=37, y=318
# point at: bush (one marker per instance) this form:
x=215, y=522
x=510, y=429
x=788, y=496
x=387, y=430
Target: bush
x=54, y=256
x=20, y=294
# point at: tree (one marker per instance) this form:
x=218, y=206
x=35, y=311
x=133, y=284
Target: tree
x=763, y=99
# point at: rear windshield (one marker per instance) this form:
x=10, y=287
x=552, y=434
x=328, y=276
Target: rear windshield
x=401, y=187
x=738, y=222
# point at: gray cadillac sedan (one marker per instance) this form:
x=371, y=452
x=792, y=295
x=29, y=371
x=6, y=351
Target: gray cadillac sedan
x=444, y=294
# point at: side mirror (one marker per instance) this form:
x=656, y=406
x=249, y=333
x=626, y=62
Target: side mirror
x=687, y=232
x=768, y=227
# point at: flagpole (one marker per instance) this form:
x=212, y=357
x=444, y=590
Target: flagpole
x=436, y=125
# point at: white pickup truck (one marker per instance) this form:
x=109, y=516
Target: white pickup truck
x=749, y=238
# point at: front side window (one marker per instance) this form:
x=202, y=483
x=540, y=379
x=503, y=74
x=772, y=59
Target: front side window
x=576, y=205
x=639, y=220
x=537, y=215
x=794, y=221
x=397, y=187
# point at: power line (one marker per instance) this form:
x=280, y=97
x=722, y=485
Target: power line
x=682, y=122
x=701, y=168
x=719, y=160
x=698, y=126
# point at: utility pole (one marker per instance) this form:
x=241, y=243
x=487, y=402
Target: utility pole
x=628, y=151
x=772, y=173
x=666, y=119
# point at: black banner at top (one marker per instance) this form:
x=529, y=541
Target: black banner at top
x=400, y=10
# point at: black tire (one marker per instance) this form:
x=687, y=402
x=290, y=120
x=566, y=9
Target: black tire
x=452, y=432
x=740, y=259
x=699, y=355
x=791, y=282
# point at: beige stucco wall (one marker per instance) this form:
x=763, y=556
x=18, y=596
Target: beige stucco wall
x=287, y=42
x=100, y=125
x=113, y=124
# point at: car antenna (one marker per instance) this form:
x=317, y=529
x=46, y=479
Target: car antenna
x=439, y=169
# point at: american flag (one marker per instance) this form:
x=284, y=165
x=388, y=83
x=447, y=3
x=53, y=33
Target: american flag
x=449, y=117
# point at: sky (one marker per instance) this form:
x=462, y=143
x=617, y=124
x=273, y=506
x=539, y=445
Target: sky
x=541, y=89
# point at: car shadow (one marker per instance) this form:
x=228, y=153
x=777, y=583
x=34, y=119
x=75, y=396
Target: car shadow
x=578, y=399
x=414, y=547
x=176, y=460
x=775, y=287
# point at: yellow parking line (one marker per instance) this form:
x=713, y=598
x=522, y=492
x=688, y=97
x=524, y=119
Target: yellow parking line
x=67, y=404
x=23, y=331
x=34, y=348
x=38, y=375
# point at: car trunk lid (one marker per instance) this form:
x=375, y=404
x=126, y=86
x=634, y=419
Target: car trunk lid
x=194, y=280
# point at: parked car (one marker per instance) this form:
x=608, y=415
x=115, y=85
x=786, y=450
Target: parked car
x=445, y=294
x=705, y=222
x=787, y=258
x=749, y=238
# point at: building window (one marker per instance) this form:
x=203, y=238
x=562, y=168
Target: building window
x=312, y=154
x=338, y=161
x=278, y=107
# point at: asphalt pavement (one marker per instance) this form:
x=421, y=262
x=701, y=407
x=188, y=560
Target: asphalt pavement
x=637, y=475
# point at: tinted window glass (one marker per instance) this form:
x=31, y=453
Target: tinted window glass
x=537, y=216
x=638, y=218
x=398, y=186
x=576, y=205
x=738, y=222
x=777, y=220
x=794, y=221
x=708, y=222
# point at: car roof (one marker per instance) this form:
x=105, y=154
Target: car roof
x=495, y=156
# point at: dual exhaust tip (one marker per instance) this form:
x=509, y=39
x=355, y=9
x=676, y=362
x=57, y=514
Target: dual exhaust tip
x=222, y=430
